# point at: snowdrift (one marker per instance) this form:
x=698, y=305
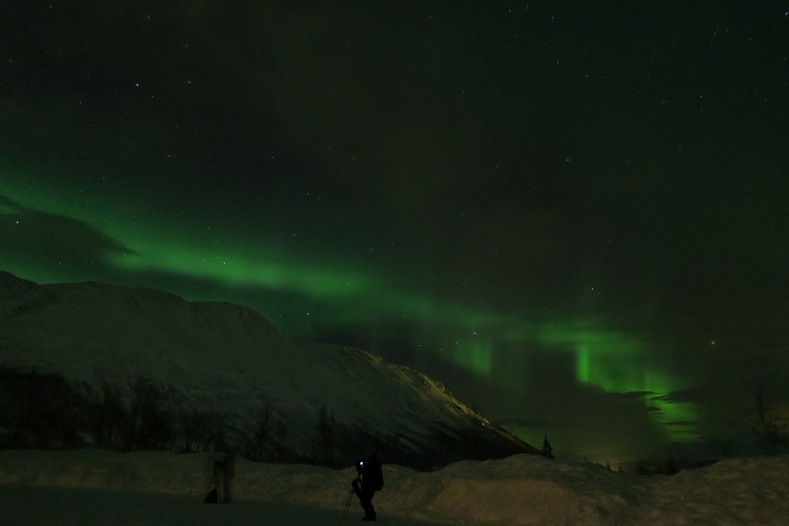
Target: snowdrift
x=522, y=489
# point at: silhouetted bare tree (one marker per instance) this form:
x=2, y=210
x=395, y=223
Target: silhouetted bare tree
x=769, y=425
x=326, y=434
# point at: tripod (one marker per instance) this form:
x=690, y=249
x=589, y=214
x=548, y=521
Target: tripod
x=347, y=504
x=213, y=482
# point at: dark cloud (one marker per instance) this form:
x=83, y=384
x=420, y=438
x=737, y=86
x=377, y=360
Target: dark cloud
x=52, y=243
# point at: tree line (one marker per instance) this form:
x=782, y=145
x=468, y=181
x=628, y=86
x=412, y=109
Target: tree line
x=44, y=411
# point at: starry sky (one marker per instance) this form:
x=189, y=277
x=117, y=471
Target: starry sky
x=572, y=214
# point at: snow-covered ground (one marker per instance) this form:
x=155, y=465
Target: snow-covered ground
x=26, y=506
x=98, y=487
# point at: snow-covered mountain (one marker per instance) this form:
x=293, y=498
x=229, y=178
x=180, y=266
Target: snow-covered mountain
x=225, y=363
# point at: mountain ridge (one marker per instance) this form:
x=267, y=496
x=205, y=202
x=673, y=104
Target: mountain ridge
x=227, y=359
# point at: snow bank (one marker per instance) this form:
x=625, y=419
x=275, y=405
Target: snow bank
x=523, y=489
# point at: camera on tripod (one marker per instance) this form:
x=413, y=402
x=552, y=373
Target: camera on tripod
x=369, y=480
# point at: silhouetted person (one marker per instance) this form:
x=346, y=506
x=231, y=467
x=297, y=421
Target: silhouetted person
x=370, y=480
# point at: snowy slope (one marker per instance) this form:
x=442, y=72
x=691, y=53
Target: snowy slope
x=226, y=358
x=519, y=490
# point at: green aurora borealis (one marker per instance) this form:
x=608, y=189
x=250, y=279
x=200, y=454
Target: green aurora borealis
x=607, y=360
x=574, y=218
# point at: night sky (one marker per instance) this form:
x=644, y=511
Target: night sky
x=575, y=214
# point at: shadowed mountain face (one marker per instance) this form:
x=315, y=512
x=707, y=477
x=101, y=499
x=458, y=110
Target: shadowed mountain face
x=142, y=369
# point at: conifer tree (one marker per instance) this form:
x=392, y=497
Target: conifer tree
x=547, y=449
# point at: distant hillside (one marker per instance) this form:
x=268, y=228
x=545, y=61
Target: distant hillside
x=132, y=368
